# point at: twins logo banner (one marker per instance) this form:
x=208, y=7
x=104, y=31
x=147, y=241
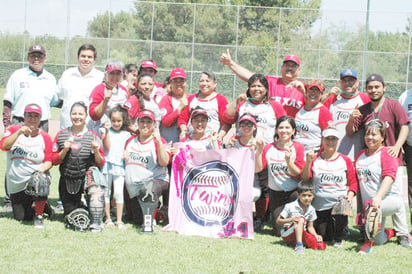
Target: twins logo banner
x=211, y=193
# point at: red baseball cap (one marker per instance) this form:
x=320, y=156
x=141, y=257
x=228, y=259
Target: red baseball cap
x=33, y=108
x=146, y=113
x=247, y=117
x=292, y=58
x=178, y=73
x=114, y=67
x=197, y=112
x=315, y=85
x=149, y=64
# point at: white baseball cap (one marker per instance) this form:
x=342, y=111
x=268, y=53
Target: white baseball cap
x=330, y=132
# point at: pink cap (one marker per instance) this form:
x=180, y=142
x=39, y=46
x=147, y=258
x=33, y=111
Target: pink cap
x=33, y=108
x=178, y=73
x=315, y=85
x=146, y=113
x=149, y=64
x=199, y=111
x=114, y=67
x=248, y=117
x=292, y=58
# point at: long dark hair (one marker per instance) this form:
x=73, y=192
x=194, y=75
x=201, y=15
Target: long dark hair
x=137, y=92
x=125, y=116
x=261, y=78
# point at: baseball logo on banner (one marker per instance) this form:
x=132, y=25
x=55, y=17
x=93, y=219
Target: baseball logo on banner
x=210, y=193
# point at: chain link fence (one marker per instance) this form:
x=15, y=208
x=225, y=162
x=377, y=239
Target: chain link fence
x=257, y=37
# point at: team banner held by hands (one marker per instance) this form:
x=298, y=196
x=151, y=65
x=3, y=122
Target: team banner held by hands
x=211, y=193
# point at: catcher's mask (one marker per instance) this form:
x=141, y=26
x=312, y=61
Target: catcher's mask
x=78, y=220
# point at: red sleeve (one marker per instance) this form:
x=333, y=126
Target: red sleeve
x=222, y=104
x=265, y=150
x=185, y=114
x=134, y=107
x=55, y=149
x=365, y=98
x=96, y=97
x=389, y=164
x=330, y=101
x=325, y=118
x=300, y=155
x=277, y=108
x=352, y=181
x=48, y=145
x=10, y=131
x=169, y=116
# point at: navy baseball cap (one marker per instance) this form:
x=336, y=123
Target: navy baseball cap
x=375, y=77
x=349, y=72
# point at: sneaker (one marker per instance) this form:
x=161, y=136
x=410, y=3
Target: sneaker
x=338, y=244
x=365, y=248
x=121, y=226
x=405, y=241
x=109, y=223
x=389, y=233
x=299, y=249
x=59, y=208
x=38, y=222
x=7, y=207
x=96, y=228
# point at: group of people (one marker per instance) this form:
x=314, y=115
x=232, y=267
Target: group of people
x=312, y=148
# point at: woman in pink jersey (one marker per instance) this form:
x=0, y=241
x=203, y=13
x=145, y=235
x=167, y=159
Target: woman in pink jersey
x=333, y=176
x=214, y=103
x=256, y=102
x=146, y=160
x=313, y=117
x=284, y=160
x=172, y=105
x=376, y=171
x=29, y=149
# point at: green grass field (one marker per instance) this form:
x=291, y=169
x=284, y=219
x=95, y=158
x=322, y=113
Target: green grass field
x=24, y=249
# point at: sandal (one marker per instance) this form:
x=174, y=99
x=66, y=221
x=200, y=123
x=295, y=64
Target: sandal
x=121, y=225
x=109, y=223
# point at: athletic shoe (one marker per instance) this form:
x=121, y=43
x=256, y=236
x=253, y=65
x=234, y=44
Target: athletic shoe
x=365, y=248
x=109, y=223
x=95, y=228
x=405, y=241
x=338, y=244
x=7, y=207
x=38, y=222
x=59, y=208
x=299, y=249
x=121, y=226
x=389, y=233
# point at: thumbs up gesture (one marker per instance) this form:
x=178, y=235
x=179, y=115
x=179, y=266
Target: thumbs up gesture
x=356, y=113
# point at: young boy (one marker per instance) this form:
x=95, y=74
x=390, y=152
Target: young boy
x=298, y=218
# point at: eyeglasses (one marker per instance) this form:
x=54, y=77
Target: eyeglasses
x=36, y=56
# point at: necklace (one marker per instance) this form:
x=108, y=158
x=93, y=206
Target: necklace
x=380, y=110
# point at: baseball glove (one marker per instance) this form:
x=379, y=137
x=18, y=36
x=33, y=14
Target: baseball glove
x=373, y=222
x=342, y=207
x=38, y=185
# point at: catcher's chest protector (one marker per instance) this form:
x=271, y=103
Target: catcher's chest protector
x=77, y=160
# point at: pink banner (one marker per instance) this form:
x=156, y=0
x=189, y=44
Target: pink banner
x=211, y=193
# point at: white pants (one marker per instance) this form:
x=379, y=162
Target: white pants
x=118, y=185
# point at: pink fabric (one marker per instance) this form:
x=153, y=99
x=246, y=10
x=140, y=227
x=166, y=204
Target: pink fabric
x=211, y=193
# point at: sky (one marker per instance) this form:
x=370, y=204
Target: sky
x=51, y=16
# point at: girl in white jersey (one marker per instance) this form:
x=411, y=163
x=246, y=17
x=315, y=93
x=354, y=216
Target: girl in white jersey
x=114, y=139
x=376, y=171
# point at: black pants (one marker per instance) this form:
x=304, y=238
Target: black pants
x=330, y=227
x=70, y=201
x=277, y=201
x=22, y=206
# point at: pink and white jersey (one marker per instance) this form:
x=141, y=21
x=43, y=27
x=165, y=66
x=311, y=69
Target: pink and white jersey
x=332, y=178
x=273, y=158
x=169, y=111
x=289, y=97
x=238, y=144
x=267, y=115
x=309, y=126
x=215, y=108
x=341, y=110
x=371, y=169
x=119, y=97
x=26, y=156
x=142, y=164
x=203, y=144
